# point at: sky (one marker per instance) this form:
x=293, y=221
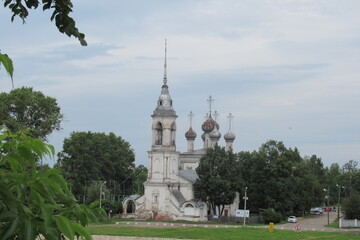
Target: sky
x=288, y=70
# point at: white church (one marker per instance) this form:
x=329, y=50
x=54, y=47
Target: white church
x=169, y=193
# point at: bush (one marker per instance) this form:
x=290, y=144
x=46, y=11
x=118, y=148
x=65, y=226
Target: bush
x=351, y=206
x=270, y=215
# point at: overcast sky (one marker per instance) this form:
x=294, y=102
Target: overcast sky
x=288, y=70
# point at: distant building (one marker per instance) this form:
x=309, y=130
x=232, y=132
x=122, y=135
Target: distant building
x=169, y=193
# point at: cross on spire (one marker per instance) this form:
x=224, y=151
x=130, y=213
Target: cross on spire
x=216, y=115
x=165, y=70
x=191, y=116
x=230, y=117
x=210, y=100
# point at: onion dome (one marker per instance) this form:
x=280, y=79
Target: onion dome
x=229, y=136
x=215, y=134
x=209, y=125
x=203, y=136
x=190, y=134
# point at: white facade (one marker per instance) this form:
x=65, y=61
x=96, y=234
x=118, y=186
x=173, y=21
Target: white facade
x=169, y=191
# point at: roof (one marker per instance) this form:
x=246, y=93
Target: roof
x=178, y=195
x=196, y=202
x=189, y=175
x=198, y=151
x=134, y=197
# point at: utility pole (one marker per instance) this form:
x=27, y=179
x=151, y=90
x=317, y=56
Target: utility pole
x=101, y=191
x=339, y=186
x=328, y=208
x=245, y=198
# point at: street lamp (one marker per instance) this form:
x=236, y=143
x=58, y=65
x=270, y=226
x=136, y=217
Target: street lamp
x=327, y=208
x=101, y=191
x=340, y=187
x=245, y=198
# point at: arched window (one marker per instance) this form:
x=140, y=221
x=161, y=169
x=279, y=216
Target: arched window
x=173, y=132
x=159, y=134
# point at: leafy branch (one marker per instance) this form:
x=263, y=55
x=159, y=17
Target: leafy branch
x=62, y=9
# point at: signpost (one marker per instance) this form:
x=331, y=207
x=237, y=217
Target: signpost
x=297, y=228
x=245, y=198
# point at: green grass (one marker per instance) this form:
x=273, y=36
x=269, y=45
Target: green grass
x=215, y=233
x=334, y=224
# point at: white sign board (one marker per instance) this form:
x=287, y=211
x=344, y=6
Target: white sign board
x=241, y=213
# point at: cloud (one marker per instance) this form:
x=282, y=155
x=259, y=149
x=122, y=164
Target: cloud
x=287, y=70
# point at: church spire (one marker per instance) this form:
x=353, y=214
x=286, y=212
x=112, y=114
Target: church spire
x=210, y=100
x=165, y=104
x=165, y=70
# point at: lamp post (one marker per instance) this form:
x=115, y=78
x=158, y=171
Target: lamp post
x=245, y=198
x=339, y=186
x=101, y=191
x=327, y=208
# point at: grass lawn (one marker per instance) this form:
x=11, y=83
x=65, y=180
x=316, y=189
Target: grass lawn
x=214, y=233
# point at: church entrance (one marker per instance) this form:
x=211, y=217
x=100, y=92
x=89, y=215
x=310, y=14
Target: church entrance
x=189, y=210
x=129, y=206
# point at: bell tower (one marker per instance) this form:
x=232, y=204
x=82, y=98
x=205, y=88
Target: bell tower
x=163, y=158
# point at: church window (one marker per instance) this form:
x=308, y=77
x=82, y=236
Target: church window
x=160, y=103
x=173, y=131
x=155, y=198
x=159, y=134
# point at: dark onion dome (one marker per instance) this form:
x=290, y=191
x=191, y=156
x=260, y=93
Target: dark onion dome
x=229, y=136
x=203, y=136
x=215, y=134
x=209, y=125
x=190, y=134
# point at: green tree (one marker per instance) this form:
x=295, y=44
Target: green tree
x=33, y=202
x=61, y=14
x=90, y=156
x=351, y=206
x=24, y=108
x=278, y=178
x=349, y=177
x=332, y=182
x=141, y=174
x=93, y=192
x=218, y=178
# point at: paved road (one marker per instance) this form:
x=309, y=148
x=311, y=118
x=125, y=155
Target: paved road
x=317, y=223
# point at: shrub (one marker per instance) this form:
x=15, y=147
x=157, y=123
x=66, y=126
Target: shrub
x=351, y=206
x=270, y=215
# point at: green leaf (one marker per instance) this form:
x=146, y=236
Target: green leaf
x=47, y=212
x=10, y=229
x=65, y=226
x=82, y=217
x=7, y=62
x=81, y=231
x=28, y=231
x=94, y=204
